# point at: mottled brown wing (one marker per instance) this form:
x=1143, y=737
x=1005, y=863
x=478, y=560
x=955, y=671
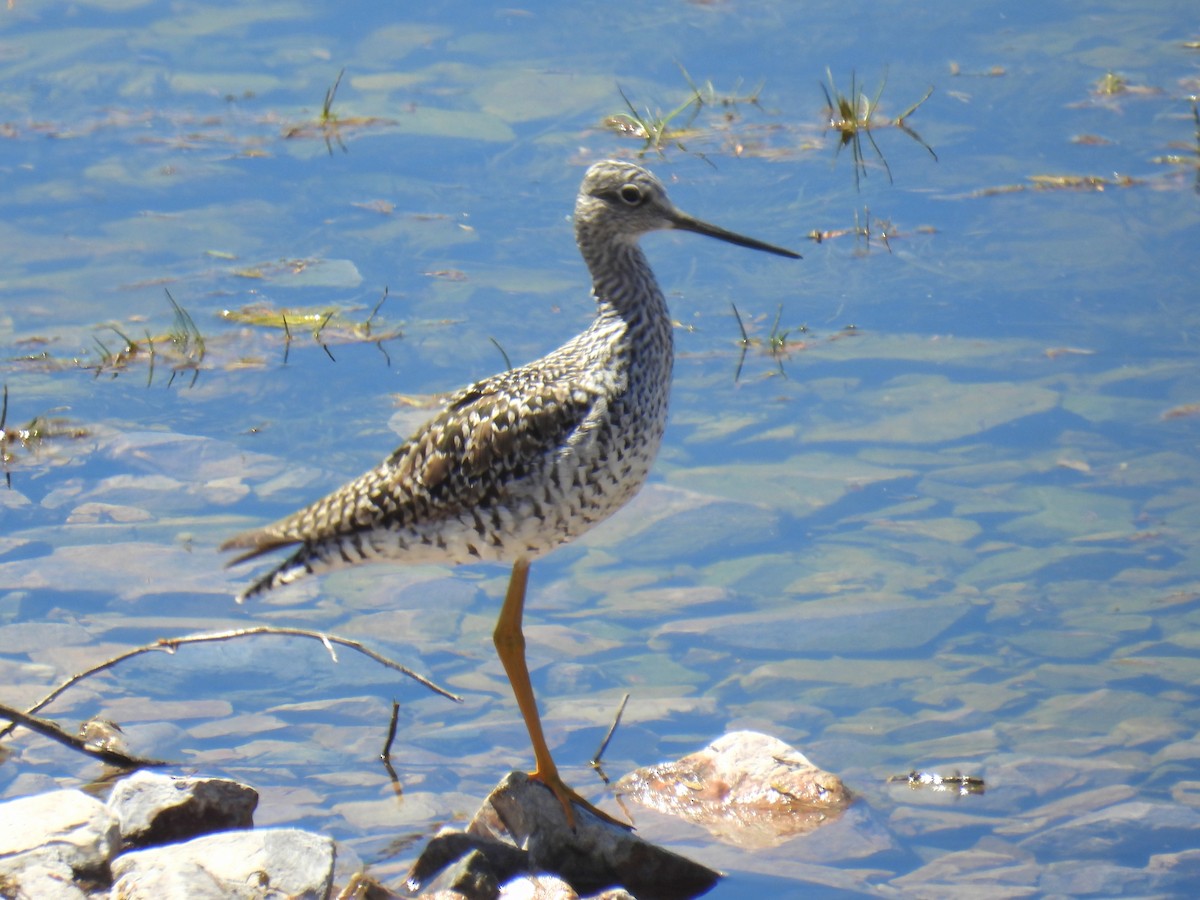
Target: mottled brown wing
x=489, y=436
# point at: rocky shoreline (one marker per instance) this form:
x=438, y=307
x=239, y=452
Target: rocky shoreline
x=158, y=837
x=162, y=837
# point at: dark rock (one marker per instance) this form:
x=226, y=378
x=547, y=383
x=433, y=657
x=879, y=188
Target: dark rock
x=503, y=861
x=521, y=828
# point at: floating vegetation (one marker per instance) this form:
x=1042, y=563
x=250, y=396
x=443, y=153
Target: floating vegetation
x=963, y=785
x=329, y=126
x=1183, y=411
x=303, y=272
x=446, y=274
x=866, y=228
x=1110, y=89
x=326, y=324
x=244, y=134
x=1080, y=182
x=1091, y=140
x=269, y=317
x=31, y=437
x=1057, y=352
x=992, y=72
x=1094, y=183
x=854, y=115
x=1190, y=158
x=182, y=348
x=1112, y=84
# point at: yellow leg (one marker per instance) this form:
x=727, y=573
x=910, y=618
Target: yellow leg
x=510, y=647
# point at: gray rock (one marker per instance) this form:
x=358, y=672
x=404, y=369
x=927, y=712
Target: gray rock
x=63, y=839
x=234, y=865
x=154, y=808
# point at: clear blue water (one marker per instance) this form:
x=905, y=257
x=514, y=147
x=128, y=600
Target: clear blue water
x=960, y=537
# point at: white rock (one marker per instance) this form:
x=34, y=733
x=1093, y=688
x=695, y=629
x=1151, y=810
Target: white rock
x=234, y=865
x=63, y=832
x=38, y=882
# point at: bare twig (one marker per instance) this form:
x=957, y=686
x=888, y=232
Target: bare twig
x=386, y=755
x=49, y=729
x=169, y=645
x=595, y=763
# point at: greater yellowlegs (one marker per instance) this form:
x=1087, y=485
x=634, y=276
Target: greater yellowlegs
x=528, y=459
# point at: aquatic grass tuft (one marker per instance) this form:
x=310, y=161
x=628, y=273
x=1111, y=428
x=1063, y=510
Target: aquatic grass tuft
x=707, y=94
x=654, y=128
x=30, y=437
x=327, y=115
x=329, y=125
x=187, y=341
x=867, y=228
x=721, y=126
x=188, y=349
x=854, y=115
x=777, y=345
x=1114, y=84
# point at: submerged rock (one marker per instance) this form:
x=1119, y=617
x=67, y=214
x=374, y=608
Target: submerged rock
x=747, y=789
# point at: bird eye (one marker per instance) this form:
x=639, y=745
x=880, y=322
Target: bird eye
x=631, y=194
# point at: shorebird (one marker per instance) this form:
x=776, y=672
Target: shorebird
x=528, y=459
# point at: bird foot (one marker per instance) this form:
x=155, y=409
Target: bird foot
x=566, y=796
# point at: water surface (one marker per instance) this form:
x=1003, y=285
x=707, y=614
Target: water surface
x=941, y=516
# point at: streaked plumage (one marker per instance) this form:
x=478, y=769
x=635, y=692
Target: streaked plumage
x=528, y=459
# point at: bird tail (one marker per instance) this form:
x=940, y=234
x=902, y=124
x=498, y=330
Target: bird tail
x=294, y=567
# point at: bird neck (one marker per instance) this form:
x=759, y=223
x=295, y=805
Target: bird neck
x=623, y=283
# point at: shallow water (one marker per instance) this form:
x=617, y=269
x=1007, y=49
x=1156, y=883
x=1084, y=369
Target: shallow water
x=941, y=516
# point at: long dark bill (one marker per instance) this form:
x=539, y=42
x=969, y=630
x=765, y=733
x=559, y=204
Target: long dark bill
x=684, y=222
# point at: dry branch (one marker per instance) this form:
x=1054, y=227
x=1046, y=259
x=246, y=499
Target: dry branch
x=49, y=729
x=169, y=645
